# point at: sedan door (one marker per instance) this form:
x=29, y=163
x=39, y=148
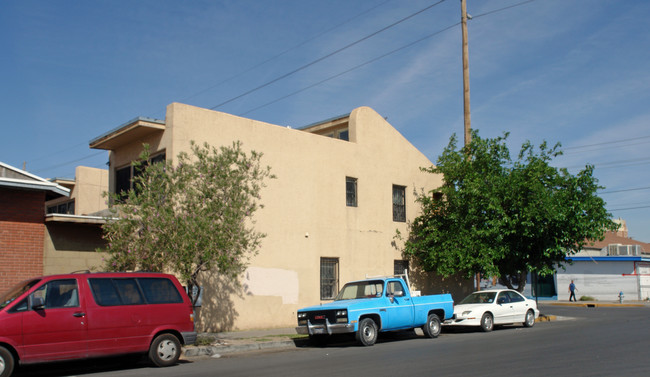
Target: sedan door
x=520, y=306
x=503, y=311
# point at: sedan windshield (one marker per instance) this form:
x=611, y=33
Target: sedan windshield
x=479, y=298
x=361, y=289
x=9, y=296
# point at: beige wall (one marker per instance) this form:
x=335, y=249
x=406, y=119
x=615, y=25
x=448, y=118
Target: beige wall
x=71, y=247
x=87, y=190
x=90, y=184
x=305, y=215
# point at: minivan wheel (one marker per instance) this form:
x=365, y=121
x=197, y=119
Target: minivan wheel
x=165, y=350
x=6, y=362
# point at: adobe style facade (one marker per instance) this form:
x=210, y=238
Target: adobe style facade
x=74, y=223
x=344, y=187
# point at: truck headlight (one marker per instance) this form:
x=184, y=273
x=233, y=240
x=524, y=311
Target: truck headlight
x=341, y=316
x=302, y=319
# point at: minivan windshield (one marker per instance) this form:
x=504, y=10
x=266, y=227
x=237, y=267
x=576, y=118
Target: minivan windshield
x=9, y=296
x=361, y=289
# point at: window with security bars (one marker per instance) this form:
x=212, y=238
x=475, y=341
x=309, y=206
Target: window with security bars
x=351, y=191
x=329, y=278
x=399, y=203
x=399, y=266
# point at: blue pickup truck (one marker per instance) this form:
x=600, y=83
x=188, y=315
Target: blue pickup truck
x=370, y=306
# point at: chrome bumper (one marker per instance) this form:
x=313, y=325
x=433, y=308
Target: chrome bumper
x=326, y=329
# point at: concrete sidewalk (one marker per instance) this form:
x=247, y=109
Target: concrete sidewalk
x=245, y=341
x=596, y=304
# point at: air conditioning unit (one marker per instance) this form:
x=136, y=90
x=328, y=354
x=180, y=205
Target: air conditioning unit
x=612, y=249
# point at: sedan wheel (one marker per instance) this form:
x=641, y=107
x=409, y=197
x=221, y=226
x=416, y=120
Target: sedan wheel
x=530, y=319
x=487, y=322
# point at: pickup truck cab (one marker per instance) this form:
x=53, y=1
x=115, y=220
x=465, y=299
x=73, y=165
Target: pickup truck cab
x=370, y=306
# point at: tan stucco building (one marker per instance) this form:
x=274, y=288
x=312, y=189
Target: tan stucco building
x=73, y=223
x=343, y=188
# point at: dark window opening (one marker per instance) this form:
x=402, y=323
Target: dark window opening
x=399, y=203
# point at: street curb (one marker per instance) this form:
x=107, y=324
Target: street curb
x=592, y=304
x=216, y=351
x=546, y=318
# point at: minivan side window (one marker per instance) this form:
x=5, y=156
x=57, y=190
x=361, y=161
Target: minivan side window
x=104, y=292
x=160, y=291
x=58, y=294
x=111, y=292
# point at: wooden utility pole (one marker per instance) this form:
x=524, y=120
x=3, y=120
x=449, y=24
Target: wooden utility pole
x=468, y=122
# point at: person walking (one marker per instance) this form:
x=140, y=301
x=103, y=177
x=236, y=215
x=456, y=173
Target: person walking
x=572, y=290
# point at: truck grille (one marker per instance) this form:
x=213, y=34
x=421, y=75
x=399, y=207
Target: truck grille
x=318, y=318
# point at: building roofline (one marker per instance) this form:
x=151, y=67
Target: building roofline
x=324, y=121
x=610, y=258
x=34, y=183
x=138, y=125
x=65, y=218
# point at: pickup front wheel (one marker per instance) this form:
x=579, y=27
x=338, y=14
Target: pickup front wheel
x=432, y=328
x=367, y=333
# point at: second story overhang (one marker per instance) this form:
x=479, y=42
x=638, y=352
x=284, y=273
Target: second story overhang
x=133, y=130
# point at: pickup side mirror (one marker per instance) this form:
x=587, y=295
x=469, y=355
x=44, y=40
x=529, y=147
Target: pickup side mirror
x=38, y=303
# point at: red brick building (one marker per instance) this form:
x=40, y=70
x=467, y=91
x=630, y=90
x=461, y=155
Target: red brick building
x=22, y=223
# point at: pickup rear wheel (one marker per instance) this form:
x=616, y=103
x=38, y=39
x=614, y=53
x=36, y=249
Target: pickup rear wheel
x=367, y=333
x=432, y=328
x=165, y=350
x=6, y=362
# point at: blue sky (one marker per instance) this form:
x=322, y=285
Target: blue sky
x=575, y=72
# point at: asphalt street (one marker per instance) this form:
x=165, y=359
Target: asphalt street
x=581, y=342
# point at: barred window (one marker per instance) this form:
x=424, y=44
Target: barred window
x=399, y=266
x=329, y=278
x=399, y=203
x=351, y=191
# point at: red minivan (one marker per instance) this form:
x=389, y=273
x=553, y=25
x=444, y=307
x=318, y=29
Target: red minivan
x=83, y=315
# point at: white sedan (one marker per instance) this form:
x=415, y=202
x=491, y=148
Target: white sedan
x=494, y=307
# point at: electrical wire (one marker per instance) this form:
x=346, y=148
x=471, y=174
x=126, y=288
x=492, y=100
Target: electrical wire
x=326, y=56
x=355, y=17
x=351, y=69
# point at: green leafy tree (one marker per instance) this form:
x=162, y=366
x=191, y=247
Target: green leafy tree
x=504, y=218
x=189, y=217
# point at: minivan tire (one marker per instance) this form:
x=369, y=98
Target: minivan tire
x=6, y=362
x=165, y=350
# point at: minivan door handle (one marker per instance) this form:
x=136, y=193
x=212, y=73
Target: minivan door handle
x=79, y=314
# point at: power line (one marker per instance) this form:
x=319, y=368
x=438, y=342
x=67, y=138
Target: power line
x=502, y=9
x=286, y=51
x=69, y=162
x=629, y=208
x=326, y=56
x=625, y=190
x=608, y=143
x=351, y=69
